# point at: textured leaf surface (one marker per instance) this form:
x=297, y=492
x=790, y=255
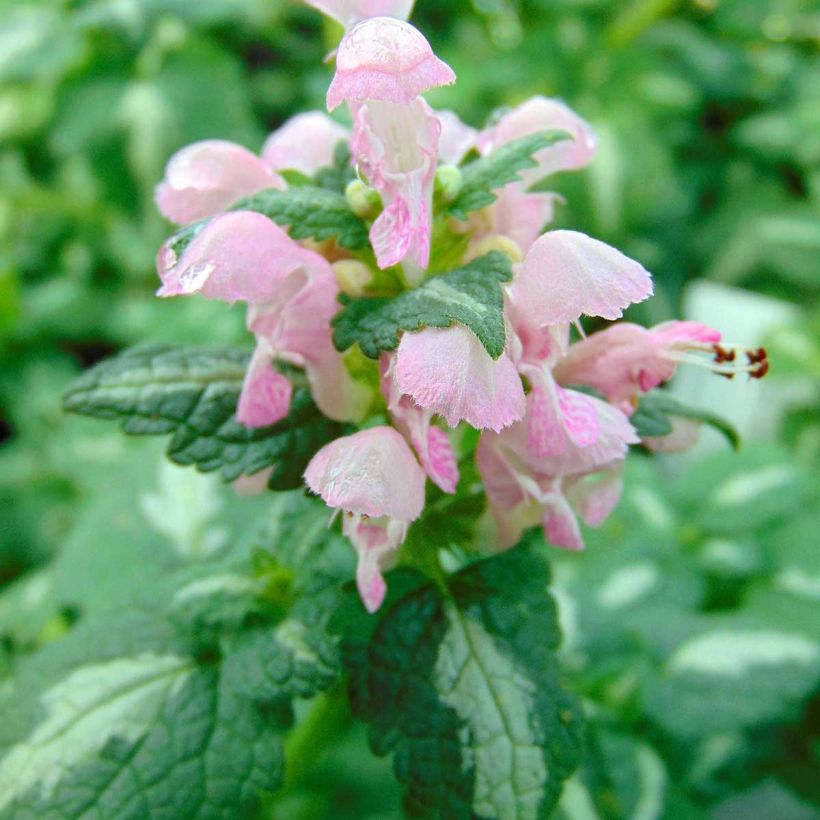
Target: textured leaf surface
x=463, y=687
x=487, y=174
x=146, y=716
x=470, y=296
x=192, y=393
x=307, y=211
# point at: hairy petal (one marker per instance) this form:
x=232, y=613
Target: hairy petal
x=238, y=256
x=304, y=143
x=567, y=274
x=385, y=59
x=372, y=472
x=207, y=177
x=449, y=372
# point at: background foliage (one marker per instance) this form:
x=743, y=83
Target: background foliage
x=691, y=626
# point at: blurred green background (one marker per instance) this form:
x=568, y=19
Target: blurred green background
x=708, y=171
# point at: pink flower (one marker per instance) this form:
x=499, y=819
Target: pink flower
x=448, y=372
x=350, y=12
x=238, y=256
x=431, y=443
x=524, y=491
x=304, y=143
x=385, y=59
x=543, y=114
x=396, y=148
x=374, y=478
x=625, y=360
x=207, y=177
x=566, y=274
x=243, y=256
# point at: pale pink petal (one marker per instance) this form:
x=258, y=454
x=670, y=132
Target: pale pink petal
x=238, y=256
x=595, y=495
x=522, y=216
x=543, y=114
x=382, y=58
x=432, y=445
x=350, y=12
x=395, y=147
x=207, y=177
x=375, y=541
x=616, y=434
x=304, y=143
x=682, y=334
x=456, y=138
x=567, y=274
x=560, y=525
x=372, y=472
x=449, y=372
x=296, y=327
x=265, y=396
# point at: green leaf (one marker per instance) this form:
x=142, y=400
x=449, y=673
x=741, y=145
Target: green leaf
x=336, y=176
x=483, y=176
x=462, y=684
x=307, y=211
x=192, y=393
x=470, y=295
x=652, y=417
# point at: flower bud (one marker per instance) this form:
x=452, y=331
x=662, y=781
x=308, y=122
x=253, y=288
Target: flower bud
x=448, y=181
x=363, y=200
x=353, y=276
x=496, y=242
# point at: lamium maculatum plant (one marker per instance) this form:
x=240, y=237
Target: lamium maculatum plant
x=422, y=385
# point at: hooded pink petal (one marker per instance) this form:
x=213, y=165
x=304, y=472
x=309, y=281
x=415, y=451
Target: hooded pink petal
x=560, y=524
x=238, y=256
x=304, y=143
x=521, y=215
x=449, y=372
x=350, y=12
x=385, y=59
x=265, y=396
x=207, y=177
x=372, y=472
x=395, y=147
x=596, y=494
x=543, y=114
x=567, y=274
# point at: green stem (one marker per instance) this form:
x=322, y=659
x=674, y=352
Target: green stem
x=326, y=719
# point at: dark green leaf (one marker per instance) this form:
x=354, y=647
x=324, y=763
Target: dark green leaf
x=192, y=394
x=462, y=685
x=470, y=296
x=336, y=176
x=652, y=417
x=485, y=175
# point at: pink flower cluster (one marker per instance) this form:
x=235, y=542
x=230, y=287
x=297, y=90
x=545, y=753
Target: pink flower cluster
x=548, y=453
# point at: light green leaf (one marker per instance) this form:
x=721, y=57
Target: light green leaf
x=462, y=685
x=487, y=174
x=192, y=393
x=470, y=295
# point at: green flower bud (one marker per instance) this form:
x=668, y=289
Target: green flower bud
x=448, y=181
x=353, y=276
x=363, y=200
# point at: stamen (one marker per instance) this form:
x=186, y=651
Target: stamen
x=724, y=362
